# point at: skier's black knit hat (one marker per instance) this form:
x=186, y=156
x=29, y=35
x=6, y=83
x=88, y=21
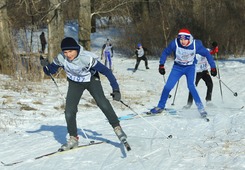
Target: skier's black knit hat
x=69, y=43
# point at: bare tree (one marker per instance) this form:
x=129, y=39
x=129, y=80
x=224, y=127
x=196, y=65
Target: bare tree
x=165, y=24
x=84, y=22
x=5, y=40
x=55, y=27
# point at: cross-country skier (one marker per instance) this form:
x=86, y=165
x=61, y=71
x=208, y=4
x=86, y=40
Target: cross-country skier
x=107, y=52
x=185, y=48
x=82, y=69
x=140, y=53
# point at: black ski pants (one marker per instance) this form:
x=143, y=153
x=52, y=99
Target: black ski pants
x=209, y=83
x=75, y=91
x=138, y=62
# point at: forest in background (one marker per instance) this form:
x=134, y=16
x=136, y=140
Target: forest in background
x=154, y=23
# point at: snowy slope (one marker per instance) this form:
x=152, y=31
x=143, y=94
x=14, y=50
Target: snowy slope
x=32, y=123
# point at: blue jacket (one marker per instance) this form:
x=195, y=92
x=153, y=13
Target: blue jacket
x=200, y=49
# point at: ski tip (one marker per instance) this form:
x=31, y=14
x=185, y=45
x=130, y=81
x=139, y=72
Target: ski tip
x=10, y=164
x=128, y=148
x=60, y=150
x=148, y=113
x=206, y=119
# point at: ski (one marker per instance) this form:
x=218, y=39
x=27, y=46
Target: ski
x=52, y=153
x=147, y=114
x=126, y=144
x=206, y=119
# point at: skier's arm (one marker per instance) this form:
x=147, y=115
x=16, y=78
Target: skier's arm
x=102, y=50
x=106, y=72
x=200, y=49
x=51, y=69
x=112, y=51
x=48, y=68
x=214, y=50
x=167, y=51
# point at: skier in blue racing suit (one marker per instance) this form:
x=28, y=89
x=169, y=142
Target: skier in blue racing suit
x=185, y=48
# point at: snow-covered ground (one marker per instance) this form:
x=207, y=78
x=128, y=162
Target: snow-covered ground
x=32, y=123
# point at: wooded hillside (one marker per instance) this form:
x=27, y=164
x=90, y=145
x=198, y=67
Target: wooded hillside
x=152, y=22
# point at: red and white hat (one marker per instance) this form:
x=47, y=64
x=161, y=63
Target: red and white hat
x=184, y=34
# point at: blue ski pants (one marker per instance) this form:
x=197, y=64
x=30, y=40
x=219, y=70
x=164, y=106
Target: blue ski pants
x=176, y=73
x=108, y=61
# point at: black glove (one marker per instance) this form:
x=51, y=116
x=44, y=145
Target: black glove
x=161, y=69
x=116, y=95
x=44, y=61
x=213, y=72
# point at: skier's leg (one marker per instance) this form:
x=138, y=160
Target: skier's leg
x=137, y=63
x=174, y=76
x=74, y=93
x=103, y=103
x=190, y=98
x=146, y=62
x=209, y=83
x=97, y=92
x=190, y=76
x=109, y=59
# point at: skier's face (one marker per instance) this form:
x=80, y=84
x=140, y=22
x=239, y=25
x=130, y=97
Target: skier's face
x=184, y=42
x=70, y=54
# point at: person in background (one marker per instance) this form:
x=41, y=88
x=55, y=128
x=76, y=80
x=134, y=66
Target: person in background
x=202, y=72
x=107, y=52
x=185, y=48
x=43, y=41
x=82, y=68
x=140, y=53
x=215, y=48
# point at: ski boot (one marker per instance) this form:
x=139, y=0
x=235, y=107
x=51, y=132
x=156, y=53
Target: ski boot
x=120, y=133
x=188, y=106
x=155, y=110
x=71, y=143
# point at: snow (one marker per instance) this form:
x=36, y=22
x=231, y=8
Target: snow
x=32, y=122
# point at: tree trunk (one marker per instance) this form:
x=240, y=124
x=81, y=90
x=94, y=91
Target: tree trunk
x=6, y=56
x=84, y=22
x=93, y=19
x=145, y=10
x=200, y=13
x=55, y=30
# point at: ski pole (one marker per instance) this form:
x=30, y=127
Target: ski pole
x=55, y=83
x=221, y=93
x=175, y=93
x=169, y=96
x=168, y=137
x=234, y=93
x=90, y=141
